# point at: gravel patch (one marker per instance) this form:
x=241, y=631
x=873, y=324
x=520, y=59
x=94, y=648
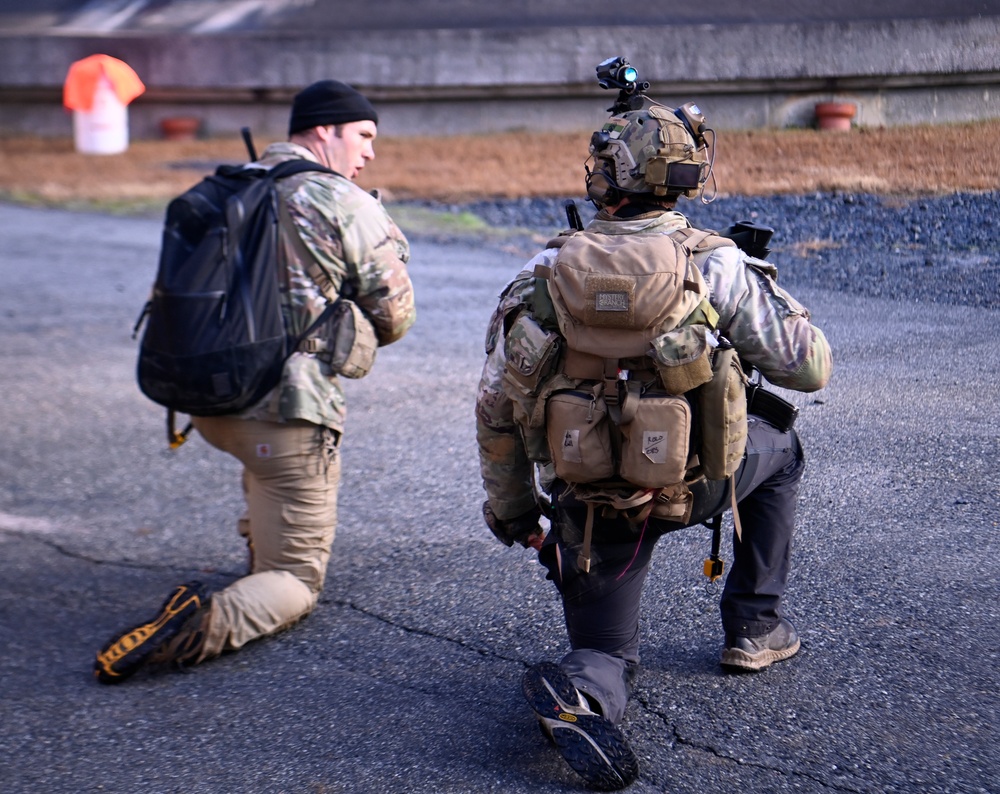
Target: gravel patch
x=940, y=249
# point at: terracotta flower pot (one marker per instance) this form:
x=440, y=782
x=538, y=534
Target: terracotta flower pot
x=835, y=115
x=180, y=128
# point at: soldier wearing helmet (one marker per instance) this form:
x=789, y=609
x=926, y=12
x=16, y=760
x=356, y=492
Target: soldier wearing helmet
x=652, y=151
x=643, y=159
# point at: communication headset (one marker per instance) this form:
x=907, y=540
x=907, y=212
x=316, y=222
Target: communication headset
x=601, y=190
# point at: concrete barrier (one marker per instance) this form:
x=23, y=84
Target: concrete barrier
x=442, y=81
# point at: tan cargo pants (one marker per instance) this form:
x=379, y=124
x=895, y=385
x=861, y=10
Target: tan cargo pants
x=291, y=473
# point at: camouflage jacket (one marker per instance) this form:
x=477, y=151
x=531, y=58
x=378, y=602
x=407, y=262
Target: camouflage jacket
x=768, y=327
x=363, y=253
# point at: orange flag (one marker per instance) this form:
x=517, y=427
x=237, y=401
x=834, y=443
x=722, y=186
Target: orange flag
x=81, y=81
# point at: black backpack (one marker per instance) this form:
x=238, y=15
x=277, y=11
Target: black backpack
x=215, y=342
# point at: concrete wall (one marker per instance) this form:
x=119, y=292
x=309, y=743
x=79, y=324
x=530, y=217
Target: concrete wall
x=458, y=81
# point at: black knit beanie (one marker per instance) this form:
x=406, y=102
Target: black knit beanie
x=328, y=102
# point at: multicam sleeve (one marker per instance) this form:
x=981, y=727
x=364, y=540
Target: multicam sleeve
x=505, y=468
x=376, y=249
x=360, y=247
x=769, y=328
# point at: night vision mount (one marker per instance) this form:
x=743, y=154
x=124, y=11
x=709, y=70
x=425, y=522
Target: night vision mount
x=619, y=73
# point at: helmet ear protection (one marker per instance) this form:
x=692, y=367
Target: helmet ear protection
x=601, y=190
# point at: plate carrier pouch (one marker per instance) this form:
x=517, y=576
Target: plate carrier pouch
x=603, y=364
x=215, y=342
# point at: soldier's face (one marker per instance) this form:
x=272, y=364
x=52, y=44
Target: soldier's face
x=351, y=147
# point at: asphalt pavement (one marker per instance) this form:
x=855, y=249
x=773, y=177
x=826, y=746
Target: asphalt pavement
x=406, y=677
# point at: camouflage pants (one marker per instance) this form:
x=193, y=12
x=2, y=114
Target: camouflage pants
x=291, y=474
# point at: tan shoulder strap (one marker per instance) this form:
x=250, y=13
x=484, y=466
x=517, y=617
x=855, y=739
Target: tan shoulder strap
x=701, y=240
x=560, y=239
x=698, y=241
x=689, y=237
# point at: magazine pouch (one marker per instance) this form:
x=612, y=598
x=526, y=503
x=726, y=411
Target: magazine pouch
x=683, y=358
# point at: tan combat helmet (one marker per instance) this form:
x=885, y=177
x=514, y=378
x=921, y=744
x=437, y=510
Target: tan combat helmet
x=651, y=149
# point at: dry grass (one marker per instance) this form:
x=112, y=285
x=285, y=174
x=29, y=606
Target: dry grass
x=899, y=160
x=893, y=161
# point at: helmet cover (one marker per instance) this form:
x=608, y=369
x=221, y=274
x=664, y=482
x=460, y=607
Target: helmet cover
x=650, y=150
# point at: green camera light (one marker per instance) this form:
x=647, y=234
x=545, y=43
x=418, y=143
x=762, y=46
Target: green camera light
x=619, y=73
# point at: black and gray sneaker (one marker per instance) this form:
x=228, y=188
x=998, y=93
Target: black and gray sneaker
x=756, y=653
x=128, y=650
x=595, y=748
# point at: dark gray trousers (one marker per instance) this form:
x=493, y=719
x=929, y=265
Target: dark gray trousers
x=601, y=607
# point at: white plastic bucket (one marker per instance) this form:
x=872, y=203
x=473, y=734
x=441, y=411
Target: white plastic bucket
x=104, y=128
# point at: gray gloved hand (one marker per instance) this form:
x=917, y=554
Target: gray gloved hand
x=522, y=529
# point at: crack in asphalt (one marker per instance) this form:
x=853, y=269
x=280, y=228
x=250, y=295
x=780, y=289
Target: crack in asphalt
x=488, y=654
x=679, y=739
x=72, y=554
x=7, y=530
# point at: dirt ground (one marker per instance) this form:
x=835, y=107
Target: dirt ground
x=891, y=161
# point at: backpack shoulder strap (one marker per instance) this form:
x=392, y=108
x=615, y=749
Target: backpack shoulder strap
x=560, y=239
x=298, y=166
x=316, y=273
x=700, y=240
x=697, y=242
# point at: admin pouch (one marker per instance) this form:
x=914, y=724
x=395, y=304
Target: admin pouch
x=346, y=340
x=615, y=372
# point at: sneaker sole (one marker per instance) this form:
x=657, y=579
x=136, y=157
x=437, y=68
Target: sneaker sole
x=741, y=660
x=127, y=651
x=595, y=749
